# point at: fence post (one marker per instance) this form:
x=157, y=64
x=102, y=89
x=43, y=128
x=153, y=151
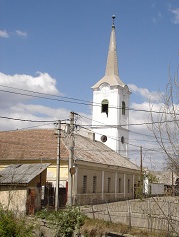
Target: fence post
x=168, y=218
x=149, y=215
x=129, y=214
x=108, y=212
x=92, y=211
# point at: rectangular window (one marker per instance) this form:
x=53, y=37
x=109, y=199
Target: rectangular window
x=120, y=188
x=109, y=184
x=84, y=184
x=94, y=184
x=128, y=185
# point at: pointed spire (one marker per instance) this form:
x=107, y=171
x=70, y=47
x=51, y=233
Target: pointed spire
x=112, y=63
x=111, y=75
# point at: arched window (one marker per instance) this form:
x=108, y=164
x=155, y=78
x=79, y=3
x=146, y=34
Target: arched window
x=104, y=106
x=123, y=108
x=122, y=140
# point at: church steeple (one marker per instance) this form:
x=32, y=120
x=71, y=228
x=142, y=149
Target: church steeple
x=112, y=97
x=112, y=63
x=111, y=75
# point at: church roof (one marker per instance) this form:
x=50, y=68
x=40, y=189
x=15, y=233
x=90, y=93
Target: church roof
x=22, y=146
x=111, y=75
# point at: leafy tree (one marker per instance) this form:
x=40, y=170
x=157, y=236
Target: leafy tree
x=152, y=177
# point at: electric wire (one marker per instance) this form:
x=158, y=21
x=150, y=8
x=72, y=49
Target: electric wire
x=71, y=100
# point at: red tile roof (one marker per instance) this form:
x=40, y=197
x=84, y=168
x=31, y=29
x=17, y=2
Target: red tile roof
x=30, y=145
x=41, y=144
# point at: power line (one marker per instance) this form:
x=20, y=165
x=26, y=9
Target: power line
x=53, y=121
x=28, y=120
x=129, y=124
x=71, y=100
x=146, y=149
x=104, y=125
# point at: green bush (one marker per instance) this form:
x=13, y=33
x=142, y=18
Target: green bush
x=12, y=226
x=64, y=222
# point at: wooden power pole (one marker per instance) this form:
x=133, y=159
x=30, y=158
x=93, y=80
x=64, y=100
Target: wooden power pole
x=71, y=157
x=141, y=172
x=58, y=166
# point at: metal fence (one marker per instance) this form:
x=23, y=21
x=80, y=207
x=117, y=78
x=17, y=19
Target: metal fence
x=161, y=214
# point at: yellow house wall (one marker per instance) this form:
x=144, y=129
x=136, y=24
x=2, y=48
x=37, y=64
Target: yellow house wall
x=51, y=173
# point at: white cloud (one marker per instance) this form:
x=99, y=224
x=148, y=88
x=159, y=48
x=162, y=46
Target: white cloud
x=4, y=34
x=175, y=13
x=43, y=82
x=14, y=105
x=21, y=33
x=145, y=93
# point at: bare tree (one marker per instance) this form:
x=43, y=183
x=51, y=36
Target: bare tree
x=165, y=122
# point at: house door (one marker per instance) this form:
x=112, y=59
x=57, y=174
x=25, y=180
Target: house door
x=31, y=200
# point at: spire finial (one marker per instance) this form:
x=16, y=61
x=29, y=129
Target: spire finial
x=113, y=17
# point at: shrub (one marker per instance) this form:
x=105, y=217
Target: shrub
x=12, y=226
x=64, y=222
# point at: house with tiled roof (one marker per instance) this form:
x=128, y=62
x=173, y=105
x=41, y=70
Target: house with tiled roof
x=99, y=172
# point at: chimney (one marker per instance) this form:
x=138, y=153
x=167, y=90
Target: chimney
x=91, y=135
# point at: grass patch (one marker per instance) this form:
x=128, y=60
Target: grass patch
x=97, y=228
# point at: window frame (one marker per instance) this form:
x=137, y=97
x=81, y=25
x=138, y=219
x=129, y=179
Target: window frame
x=128, y=185
x=123, y=107
x=84, y=183
x=105, y=106
x=94, y=183
x=109, y=185
x=120, y=185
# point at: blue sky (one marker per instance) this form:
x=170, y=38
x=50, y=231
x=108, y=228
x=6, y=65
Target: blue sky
x=60, y=47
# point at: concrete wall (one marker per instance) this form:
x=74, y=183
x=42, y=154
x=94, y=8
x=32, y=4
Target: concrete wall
x=13, y=199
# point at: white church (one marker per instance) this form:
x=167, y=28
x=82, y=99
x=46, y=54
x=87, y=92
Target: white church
x=110, y=104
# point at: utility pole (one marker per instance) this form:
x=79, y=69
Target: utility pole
x=141, y=172
x=71, y=157
x=58, y=166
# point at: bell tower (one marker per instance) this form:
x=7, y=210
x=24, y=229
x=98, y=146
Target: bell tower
x=111, y=96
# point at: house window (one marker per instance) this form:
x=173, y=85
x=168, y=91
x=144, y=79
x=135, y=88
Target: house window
x=84, y=184
x=109, y=184
x=94, y=184
x=120, y=188
x=104, y=106
x=128, y=185
x=123, y=108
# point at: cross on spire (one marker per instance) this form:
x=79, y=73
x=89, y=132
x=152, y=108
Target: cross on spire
x=113, y=17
